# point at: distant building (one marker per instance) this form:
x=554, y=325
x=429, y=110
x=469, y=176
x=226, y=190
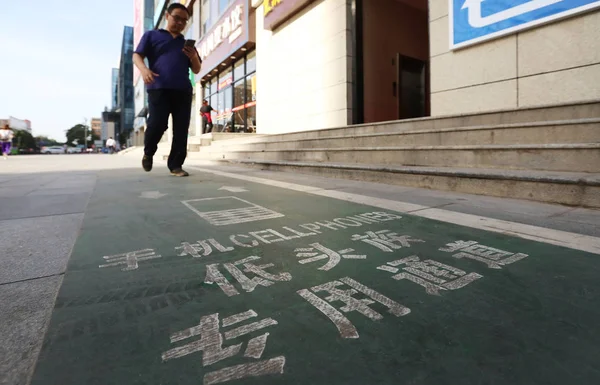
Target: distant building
x=109, y=124
x=114, y=88
x=16, y=124
x=143, y=20
x=125, y=94
x=96, y=127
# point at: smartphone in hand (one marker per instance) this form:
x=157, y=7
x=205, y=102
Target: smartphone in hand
x=190, y=43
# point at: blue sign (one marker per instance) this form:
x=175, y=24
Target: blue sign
x=474, y=21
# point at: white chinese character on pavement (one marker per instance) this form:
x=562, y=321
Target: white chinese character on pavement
x=209, y=341
x=263, y=278
x=385, y=240
x=130, y=259
x=343, y=324
x=202, y=248
x=493, y=258
x=432, y=275
x=318, y=252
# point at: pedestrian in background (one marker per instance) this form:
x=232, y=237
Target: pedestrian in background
x=110, y=144
x=168, y=84
x=6, y=137
x=206, y=113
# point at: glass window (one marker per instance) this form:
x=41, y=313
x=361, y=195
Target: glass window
x=239, y=94
x=251, y=62
x=220, y=112
x=239, y=108
x=225, y=78
x=238, y=69
x=223, y=4
x=213, y=86
x=212, y=100
x=228, y=106
x=251, y=118
x=251, y=88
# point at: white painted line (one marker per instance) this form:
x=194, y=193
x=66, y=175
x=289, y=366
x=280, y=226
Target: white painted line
x=250, y=213
x=539, y=234
x=233, y=189
x=152, y=194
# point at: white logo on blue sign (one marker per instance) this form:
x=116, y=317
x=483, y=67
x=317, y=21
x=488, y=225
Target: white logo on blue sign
x=474, y=21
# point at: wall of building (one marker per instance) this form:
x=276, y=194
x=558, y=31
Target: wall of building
x=389, y=27
x=304, y=70
x=96, y=126
x=555, y=63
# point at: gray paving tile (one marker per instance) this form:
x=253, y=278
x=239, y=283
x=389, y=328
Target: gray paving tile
x=63, y=190
x=12, y=191
x=36, y=247
x=42, y=205
x=26, y=309
x=591, y=217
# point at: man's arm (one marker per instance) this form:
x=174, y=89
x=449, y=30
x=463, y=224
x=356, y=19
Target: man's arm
x=196, y=64
x=140, y=53
x=138, y=60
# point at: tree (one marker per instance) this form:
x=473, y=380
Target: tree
x=24, y=140
x=45, y=141
x=76, y=135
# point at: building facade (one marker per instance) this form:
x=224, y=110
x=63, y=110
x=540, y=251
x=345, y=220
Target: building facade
x=109, y=124
x=96, y=127
x=331, y=63
x=114, y=88
x=143, y=21
x=279, y=66
x=17, y=124
x=125, y=88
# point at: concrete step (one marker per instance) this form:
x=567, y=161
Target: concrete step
x=196, y=142
x=562, y=112
x=571, y=131
x=568, y=188
x=576, y=157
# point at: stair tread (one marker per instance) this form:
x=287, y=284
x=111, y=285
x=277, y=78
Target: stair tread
x=482, y=173
x=462, y=147
x=265, y=138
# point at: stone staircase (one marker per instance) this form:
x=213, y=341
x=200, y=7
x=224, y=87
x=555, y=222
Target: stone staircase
x=547, y=154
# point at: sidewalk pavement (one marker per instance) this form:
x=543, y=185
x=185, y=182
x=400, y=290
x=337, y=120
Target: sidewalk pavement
x=133, y=252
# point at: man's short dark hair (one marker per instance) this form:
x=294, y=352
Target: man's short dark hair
x=175, y=6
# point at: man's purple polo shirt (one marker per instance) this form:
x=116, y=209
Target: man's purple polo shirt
x=165, y=58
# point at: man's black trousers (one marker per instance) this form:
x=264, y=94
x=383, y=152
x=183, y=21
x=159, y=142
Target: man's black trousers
x=161, y=104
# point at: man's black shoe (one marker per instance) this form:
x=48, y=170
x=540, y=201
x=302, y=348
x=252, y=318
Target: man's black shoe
x=147, y=163
x=179, y=172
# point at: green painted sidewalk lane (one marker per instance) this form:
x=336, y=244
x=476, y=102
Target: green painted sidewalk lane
x=309, y=290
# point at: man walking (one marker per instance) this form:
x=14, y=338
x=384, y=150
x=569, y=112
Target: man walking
x=111, y=144
x=206, y=111
x=168, y=84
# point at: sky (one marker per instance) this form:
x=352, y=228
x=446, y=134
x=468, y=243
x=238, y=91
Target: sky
x=56, y=58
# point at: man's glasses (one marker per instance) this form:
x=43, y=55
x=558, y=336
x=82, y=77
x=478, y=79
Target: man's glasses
x=179, y=19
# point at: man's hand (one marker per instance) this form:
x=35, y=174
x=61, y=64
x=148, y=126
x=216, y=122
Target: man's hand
x=190, y=52
x=195, y=61
x=148, y=76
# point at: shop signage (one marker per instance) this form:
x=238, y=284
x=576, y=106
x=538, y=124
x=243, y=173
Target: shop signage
x=278, y=11
x=228, y=35
x=228, y=29
x=269, y=5
x=475, y=21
